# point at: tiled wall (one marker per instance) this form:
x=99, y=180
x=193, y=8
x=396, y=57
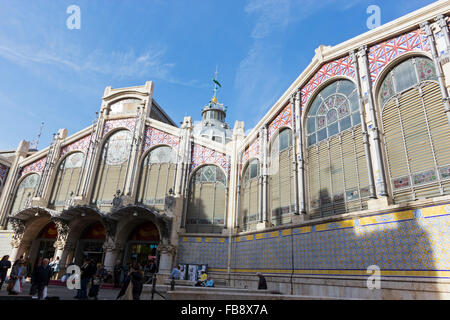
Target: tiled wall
x=411, y=243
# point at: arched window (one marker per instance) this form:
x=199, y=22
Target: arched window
x=249, y=196
x=67, y=178
x=157, y=177
x=25, y=192
x=207, y=200
x=112, y=169
x=416, y=131
x=338, y=180
x=281, y=178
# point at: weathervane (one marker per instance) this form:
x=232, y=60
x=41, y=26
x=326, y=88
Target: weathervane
x=214, y=98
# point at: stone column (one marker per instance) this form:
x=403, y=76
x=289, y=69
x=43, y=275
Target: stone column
x=425, y=26
x=18, y=227
x=300, y=156
x=112, y=250
x=167, y=252
x=110, y=246
x=364, y=132
x=61, y=241
x=294, y=153
x=378, y=161
x=7, y=194
x=265, y=216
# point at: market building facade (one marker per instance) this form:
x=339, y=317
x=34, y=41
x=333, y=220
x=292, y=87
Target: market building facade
x=349, y=169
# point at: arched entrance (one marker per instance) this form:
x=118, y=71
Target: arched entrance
x=45, y=242
x=91, y=242
x=142, y=243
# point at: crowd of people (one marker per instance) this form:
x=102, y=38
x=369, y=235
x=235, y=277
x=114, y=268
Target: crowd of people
x=39, y=276
x=129, y=277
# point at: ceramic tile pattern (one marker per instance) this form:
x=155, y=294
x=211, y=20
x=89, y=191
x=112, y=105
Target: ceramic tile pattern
x=407, y=243
x=155, y=137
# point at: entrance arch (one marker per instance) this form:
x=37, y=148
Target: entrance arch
x=142, y=243
x=90, y=244
x=42, y=246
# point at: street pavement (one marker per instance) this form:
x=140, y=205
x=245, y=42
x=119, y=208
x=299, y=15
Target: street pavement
x=63, y=292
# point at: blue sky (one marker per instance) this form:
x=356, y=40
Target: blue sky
x=52, y=74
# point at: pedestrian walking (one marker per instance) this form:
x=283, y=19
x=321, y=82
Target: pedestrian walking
x=133, y=284
x=262, y=284
x=88, y=270
x=17, y=277
x=5, y=264
x=117, y=273
x=40, y=279
x=97, y=281
x=56, y=267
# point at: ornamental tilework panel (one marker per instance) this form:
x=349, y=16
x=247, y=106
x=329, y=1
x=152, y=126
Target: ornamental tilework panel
x=155, y=137
x=79, y=145
x=284, y=118
x=412, y=243
x=36, y=166
x=210, y=251
x=252, y=151
x=203, y=155
x=129, y=123
x=381, y=54
x=339, y=67
x=3, y=172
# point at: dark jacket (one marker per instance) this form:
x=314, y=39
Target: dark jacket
x=118, y=269
x=88, y=271
x=4, y=266
x=41, y=275
x=262, y=284
x=137, y=279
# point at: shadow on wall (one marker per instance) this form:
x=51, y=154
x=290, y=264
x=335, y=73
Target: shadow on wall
x=203, y=223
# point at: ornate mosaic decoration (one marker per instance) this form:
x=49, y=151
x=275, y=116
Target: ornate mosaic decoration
x=81, y=145
x=339, y=67
x=129, y=123
x=75, y=160
x=334, y=110
x=155, y=137
x=252, y=151
x=117, y=149
x=410, y=243
x=36, y=166
x=202, y=155
x=209, y=174
x=162, y=155
x=29, y=182
x=284, y=118
x=380, y=54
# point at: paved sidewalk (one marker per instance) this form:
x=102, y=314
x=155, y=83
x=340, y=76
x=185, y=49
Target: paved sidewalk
x=63, y=292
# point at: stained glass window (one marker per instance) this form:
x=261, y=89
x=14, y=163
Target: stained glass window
x=157, y=176
x=67, y=180
x=336, y=164
x=333, y=103
x=207, y=200
x=415, y=131
x=25, y=192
